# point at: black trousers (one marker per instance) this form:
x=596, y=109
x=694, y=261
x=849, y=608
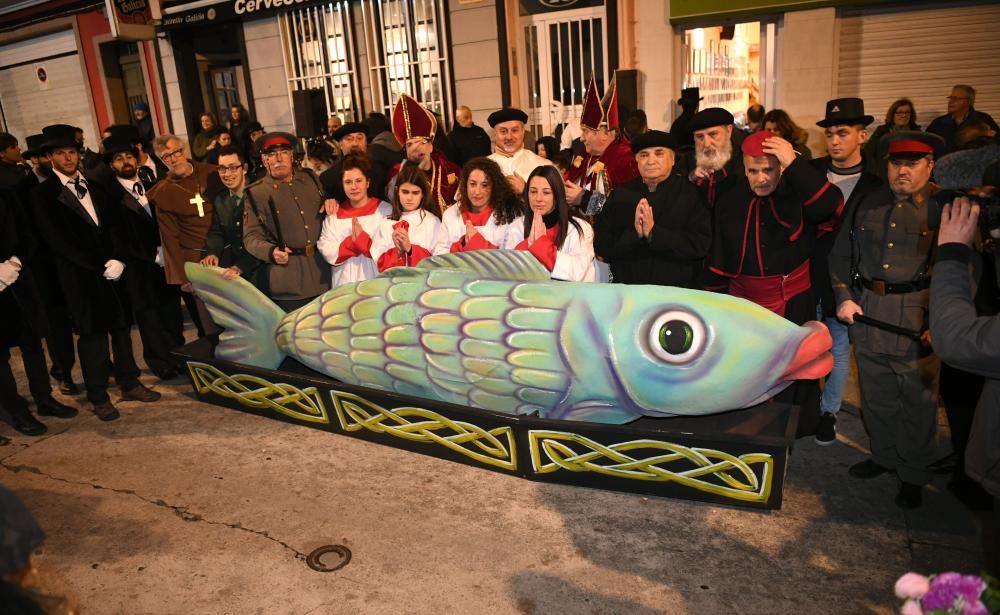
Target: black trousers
x=160, y=326
x=959, y=391
x=99, y=361
x=34, y=366
x=59, y=341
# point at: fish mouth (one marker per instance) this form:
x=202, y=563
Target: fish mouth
x=812, y=358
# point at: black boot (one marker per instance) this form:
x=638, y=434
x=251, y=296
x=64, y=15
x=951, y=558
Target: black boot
x=24, y=422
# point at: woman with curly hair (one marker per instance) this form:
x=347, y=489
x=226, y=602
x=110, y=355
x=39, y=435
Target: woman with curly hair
x=902, y=115
x=346, y=239
x=564, y=243
x=486, y=209
x=407, y=236
x=780, y=123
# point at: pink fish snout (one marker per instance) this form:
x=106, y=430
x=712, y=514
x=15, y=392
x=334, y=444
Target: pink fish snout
x=812, y=358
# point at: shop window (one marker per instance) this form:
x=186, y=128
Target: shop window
x=319, y=44
x=406, y=42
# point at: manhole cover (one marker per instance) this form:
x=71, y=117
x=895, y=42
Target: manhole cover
x=329, y=558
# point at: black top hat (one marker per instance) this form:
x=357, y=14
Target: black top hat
x=653, y=138
x=33, y=145
x=58, y=135
x=116, y=144
x=690, y=95
x=507, y=115
x=125, y=132
x=349, y=129
x=845, y=111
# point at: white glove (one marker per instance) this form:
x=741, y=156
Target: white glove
x=9, y=271
x=113, y=269
x=159, y=256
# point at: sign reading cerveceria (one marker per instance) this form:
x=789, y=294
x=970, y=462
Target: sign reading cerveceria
x=230, y=10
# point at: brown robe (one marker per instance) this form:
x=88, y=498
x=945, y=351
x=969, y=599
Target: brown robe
x=182, y=229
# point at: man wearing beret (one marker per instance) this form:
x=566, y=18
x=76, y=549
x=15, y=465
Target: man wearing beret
x=716, y=166
x=283, y=217
x=516, y=162
x=765, y=230
x=183, y=202
x=81, y=226
x=607, y=161
x=155, y=305
x=414, y=128
x=352, y=138
x=846, y=166
x=654, y=229
x=880, y=267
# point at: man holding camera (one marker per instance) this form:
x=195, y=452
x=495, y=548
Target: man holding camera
x=880, y=268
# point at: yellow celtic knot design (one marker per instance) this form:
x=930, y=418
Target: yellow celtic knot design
x=715, y=472
x=300, y=404
x=493, y=447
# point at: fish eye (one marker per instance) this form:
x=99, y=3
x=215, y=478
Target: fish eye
x=677, y=337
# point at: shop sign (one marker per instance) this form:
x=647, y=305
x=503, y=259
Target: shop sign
x=537, y=7
x=231, y=10
x=699, y=10
x=131, y=20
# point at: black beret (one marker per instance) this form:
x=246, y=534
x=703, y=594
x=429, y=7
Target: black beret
x=507, y=115
x=349, y=129
x=116, y=144
x=713, y=116
x=653, y=138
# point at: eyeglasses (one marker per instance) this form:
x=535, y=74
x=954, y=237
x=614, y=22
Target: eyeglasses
x=231, y=169
x=284, y=153
x=958, y=98
x=165, y=156
x=904, y=112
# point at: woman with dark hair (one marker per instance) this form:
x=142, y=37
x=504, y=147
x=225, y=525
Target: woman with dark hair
x=407, y=236
x=346, y=239
x=562, y=242
x=780, y=123
x=547, y=147
x=239, y=127
x=205, y=141
x=486, y=208
x=902, y=115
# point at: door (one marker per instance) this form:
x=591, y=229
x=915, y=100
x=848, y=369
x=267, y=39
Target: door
x=560, y=53
x=225, y=89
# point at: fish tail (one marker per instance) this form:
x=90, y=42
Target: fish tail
x=249, y=317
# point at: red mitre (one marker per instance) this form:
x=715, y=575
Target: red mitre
x=597, y=112
x=410, y=120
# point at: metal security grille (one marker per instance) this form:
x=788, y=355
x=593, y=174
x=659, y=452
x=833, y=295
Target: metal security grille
x=319, y=43
x=561, y=52
x=407, y=44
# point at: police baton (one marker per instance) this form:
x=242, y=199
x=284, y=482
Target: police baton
x=886, y=326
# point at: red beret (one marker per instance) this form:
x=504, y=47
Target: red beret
x=753, y=145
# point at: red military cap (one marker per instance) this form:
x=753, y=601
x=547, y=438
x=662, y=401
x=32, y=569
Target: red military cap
x=600, y=112
x=753, y=145
x=912, y=144
x=411, y=120
x=274, y=140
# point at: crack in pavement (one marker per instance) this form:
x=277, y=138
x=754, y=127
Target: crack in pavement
x=181, y=511
x=30, y=443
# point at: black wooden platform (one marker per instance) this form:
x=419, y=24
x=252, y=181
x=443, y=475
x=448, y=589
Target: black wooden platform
x=736, y=458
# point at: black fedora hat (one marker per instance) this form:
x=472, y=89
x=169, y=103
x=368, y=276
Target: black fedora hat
x=845, y=111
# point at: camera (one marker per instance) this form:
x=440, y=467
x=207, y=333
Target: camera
x=985, y=196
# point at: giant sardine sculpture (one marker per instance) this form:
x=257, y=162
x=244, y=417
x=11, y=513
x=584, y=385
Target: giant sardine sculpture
x=489, y=329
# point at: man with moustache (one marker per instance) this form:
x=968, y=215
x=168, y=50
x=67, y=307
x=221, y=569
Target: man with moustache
x=717, y=165
x=155, y=304
x=881, y=267
x=81, y=226
x=765, y=231
x=845, y=130
x=150, y=169
x=183, y=203
x=655, y=229
x=415, y=128
x=283, y=219
x=514, y=160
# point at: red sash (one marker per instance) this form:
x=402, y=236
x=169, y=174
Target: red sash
x=772, y=291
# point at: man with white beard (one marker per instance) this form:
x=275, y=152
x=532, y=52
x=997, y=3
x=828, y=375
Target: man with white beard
x=717, y=167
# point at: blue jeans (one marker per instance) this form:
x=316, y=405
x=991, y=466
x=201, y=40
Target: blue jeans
x=833, y=390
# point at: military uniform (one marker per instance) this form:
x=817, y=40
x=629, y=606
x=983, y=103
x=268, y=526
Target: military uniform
x=287, y=214
x=888, y=244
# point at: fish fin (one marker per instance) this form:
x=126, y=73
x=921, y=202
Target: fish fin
x=490, y=264
x=250, y=318
x=596, y=412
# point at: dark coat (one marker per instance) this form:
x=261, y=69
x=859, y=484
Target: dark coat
x=80, y=249
x=225, y=240
x=469, y=143
x=20, y=304
x=681, y=237
x=143, y=279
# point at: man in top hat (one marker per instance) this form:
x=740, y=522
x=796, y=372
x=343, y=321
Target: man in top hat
x=608, y=162
x=654, y=229
x=881, y=267
x=150, y=168
x=183, y=201
x=845, y=129
x=765, y=231
x=80, y=226
x=283, y=217
x=681, y=128
x=415, y=128
x=155, y=304
x=352, y=138
x=717, y=165
x=516, y=162
x=12, y=166
x=41, y=168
